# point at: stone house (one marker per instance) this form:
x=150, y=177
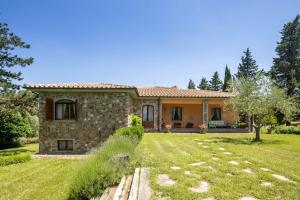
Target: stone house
x=75, y=117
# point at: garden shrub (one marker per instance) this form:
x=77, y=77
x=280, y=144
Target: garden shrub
x=97, y=172
x=132, y=132
x=14, y=159
x=27, y=140
x=287, y=130
x=135, y=121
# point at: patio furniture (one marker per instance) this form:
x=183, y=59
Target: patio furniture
x=216, y=124
x=189, y=125
x=177, y=125
x=211, y=125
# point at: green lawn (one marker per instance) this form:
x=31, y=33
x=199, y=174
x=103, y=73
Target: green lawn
x=279, y=153
x=40, y=178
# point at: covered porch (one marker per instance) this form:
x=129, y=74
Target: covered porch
x=187, y=115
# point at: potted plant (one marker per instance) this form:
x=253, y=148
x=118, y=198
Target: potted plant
x=168, y=127
x=202, y=128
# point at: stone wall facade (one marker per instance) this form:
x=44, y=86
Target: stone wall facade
x=99, y=115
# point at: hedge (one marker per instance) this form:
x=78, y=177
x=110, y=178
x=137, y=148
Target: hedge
x=287, y=130
x=14, y=159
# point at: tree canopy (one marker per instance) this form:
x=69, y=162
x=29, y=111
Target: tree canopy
x=227, y=80
x=191, y=84
x=286, y=67
x=248, y=67
x=203, y=85
x=215, y=82
x=8, y=59
x=258, y=97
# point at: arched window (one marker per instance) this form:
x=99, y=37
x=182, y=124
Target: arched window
x=65, y=109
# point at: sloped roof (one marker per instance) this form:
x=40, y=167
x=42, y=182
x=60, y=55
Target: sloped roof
x=78, y=86
x=177, y=92
x=142, y=92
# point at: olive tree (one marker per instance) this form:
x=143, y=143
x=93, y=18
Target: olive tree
x=258, y=97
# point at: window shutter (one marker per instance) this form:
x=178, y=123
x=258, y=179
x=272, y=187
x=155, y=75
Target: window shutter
x=76, y=109
x=49, y=109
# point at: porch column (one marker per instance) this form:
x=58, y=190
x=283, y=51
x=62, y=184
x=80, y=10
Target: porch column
x=159, y=114
x=205, y=112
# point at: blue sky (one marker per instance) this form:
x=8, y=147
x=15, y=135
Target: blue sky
x=144, y=43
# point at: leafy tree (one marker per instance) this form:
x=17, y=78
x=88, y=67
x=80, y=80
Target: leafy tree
x=23, y=101
x=227, y=80
x=286, y=67
x=203, y=84
x=248, y=67
x=12, y=125
x=215, y=82
x=8, y=43
x=259, y=98
x=191, y=84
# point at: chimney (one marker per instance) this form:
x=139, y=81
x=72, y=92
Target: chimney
x=174, y=87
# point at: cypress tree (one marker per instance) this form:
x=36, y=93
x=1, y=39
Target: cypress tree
x=203, y=84
x=227, y=80
x=215, y=82
x=191, y=84
x=286, y=67
x=248, y=67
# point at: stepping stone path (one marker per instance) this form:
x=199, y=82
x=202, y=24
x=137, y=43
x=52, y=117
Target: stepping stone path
x=247, y=162
x=203, y=187
x=200, y=143
x=249, y=171
x=221, y=148
x=233, y=162
x=280, y=177
x=229, y=174
x=164, y=180
x=205, y=147
x=266, y=184
x=215, y=158
x=187, y=172
x=227, y=153
x=175, y=168
x=197, y=164
x=265, y=169
x=209, y=198
x=248, y=198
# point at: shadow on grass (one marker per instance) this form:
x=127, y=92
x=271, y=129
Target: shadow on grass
x=246, y=141
x=15, y=151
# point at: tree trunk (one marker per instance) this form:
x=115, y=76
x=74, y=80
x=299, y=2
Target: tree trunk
x=249, y=124
x=257, y=133
x=252, y=121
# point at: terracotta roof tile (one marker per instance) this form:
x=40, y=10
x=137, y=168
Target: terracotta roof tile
x=78, y=86
x=143, y=92
x=177, y=92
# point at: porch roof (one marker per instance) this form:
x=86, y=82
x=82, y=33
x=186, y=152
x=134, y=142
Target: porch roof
x=181, y=93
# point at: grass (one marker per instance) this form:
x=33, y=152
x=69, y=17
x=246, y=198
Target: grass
x=279, y=153
x=45, y=178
